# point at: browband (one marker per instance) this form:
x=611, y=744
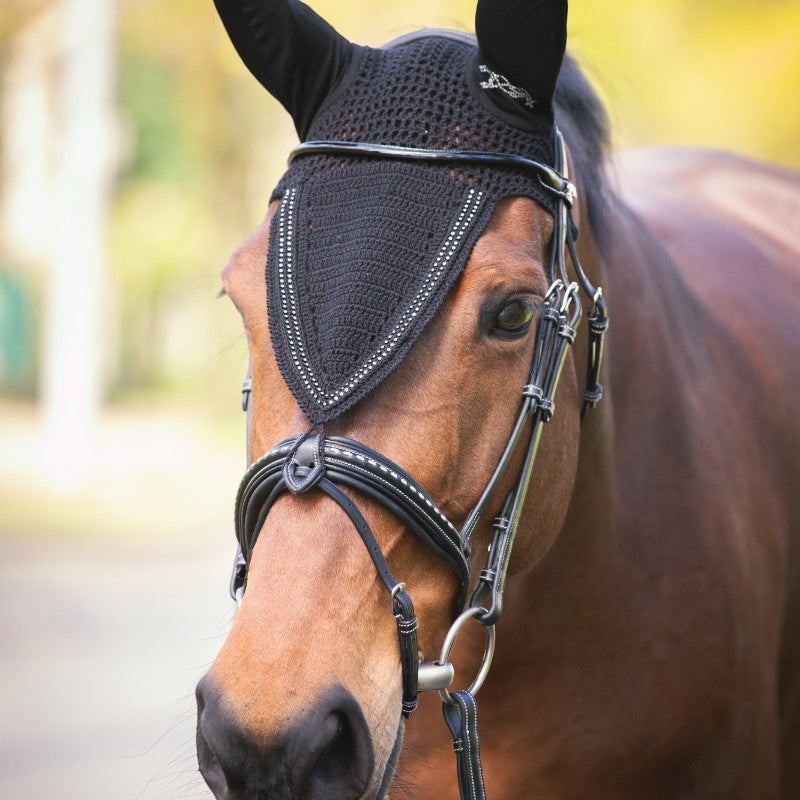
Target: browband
x=549, y=178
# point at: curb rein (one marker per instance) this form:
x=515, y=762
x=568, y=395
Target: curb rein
x=326, y=463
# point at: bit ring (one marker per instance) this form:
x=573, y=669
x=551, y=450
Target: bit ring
x=488, y=652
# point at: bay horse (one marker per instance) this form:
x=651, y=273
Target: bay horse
x=650, y=638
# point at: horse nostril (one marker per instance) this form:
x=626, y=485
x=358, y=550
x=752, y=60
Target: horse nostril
x=220, y=746
x=209, y=765
x=339, y=752
x=338, y=749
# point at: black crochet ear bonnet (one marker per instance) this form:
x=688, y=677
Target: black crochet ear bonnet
x=363, y=250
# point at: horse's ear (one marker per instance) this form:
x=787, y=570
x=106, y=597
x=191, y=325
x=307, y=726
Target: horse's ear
x=293, y=52
x=522, y=45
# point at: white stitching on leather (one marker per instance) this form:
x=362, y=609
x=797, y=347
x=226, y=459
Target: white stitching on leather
x=466, y=728
x=413, y=501
x=351, y=454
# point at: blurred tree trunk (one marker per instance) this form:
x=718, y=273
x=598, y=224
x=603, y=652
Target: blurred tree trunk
x=73, y=357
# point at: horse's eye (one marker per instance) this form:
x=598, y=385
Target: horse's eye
x=514, y=318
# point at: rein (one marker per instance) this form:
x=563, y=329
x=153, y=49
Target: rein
x=314, y=461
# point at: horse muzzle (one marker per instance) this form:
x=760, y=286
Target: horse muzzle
x=324, y=754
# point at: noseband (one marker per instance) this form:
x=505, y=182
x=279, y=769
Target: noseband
x=326, y=464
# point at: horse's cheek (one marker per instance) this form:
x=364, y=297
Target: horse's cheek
x=551, y=485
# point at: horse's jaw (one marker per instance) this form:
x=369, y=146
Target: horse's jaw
x=391, y=765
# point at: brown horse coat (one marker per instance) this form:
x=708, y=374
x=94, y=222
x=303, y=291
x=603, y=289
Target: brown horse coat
x=650, y=645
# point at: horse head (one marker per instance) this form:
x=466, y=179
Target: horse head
x=391, y=339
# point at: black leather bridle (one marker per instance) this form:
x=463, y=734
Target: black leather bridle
x=327, y=463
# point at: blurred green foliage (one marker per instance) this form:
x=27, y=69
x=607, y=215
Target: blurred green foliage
x=202, y=143
x=17, y=332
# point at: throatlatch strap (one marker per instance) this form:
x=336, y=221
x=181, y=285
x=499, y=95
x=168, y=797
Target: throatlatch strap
x=462, y=719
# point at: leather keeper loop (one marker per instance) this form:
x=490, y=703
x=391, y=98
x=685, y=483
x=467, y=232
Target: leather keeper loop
x=407, y=625
x=593, y=396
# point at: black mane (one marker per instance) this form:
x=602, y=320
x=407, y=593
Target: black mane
x=584, y=123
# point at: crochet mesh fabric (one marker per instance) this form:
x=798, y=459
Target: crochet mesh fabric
x=363, y=250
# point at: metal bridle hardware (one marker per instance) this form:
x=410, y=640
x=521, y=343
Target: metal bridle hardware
x=450, y=640
x=437, y=676
x=433, y=676
x=325, y=463
x=247, y=390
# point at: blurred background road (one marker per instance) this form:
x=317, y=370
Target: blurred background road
x=113, y=602
x=135, y=153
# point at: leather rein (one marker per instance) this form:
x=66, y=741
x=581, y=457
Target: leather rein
x=327, y=463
